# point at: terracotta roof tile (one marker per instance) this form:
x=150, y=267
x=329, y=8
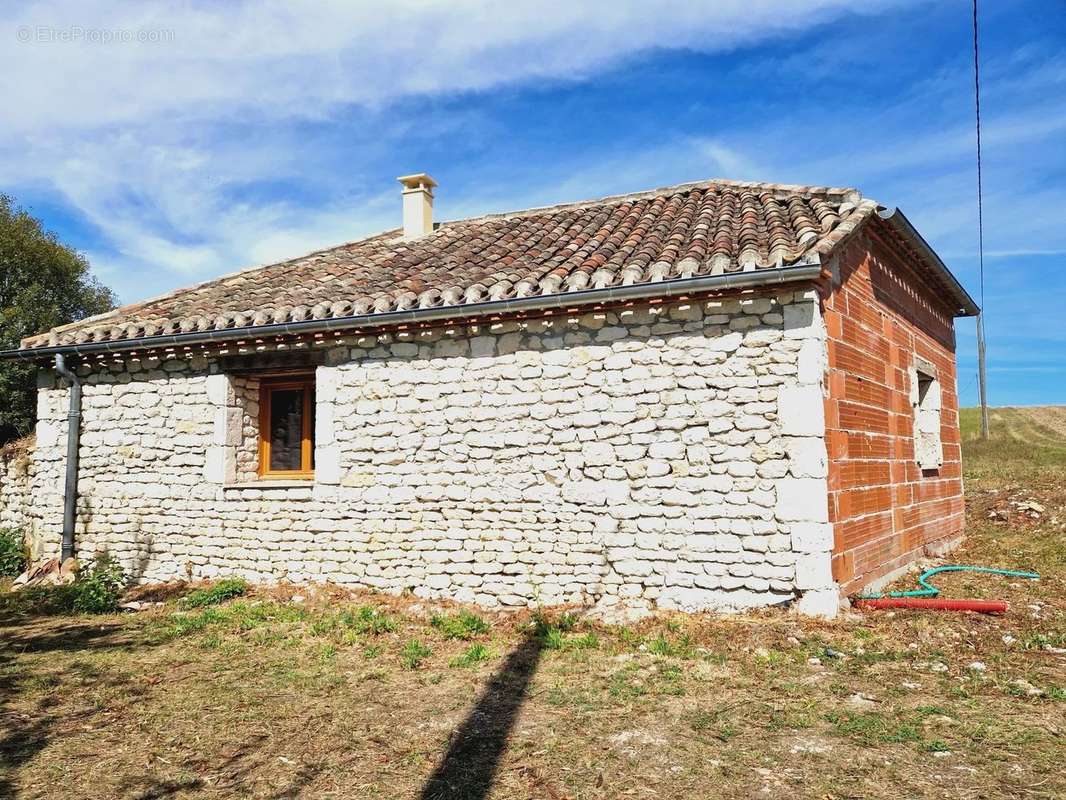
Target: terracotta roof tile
x=682, y=231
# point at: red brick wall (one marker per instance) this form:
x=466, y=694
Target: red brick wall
x=885, y=511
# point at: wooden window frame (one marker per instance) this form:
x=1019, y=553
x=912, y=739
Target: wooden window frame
x=267, y=387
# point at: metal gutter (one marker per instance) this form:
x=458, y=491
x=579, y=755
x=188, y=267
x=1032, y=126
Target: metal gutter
x=70, y=488
x=809, y=270
x=899, y=222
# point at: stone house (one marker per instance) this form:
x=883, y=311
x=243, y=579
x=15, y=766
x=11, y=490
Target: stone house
x=718, y=395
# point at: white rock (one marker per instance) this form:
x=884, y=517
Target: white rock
x=803, y=321
x=806, y=457
x=802, y=500
x=821, y=603
x=813, y=571
x=596, y=493
x=801, y=411
x=598, y=453
x=811, y=537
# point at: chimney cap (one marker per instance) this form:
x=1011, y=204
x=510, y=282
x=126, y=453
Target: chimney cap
x=419, y=180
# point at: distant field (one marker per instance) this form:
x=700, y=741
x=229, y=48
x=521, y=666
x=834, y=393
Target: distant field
x=1040, y=425
x=1023, y=442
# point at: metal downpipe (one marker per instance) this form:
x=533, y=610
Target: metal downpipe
x=70, y=489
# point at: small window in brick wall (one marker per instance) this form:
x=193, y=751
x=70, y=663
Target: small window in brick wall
x=925, y=398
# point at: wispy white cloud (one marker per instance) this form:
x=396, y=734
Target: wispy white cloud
x=916, y=149
x=161, y=146
x=282, y=58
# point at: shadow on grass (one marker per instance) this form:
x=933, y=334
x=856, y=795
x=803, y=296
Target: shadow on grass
x=469, y=767
x=25, y=730
x=238, y=774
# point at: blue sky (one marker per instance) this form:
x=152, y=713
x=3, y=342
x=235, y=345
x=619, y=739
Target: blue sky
x=240, y=134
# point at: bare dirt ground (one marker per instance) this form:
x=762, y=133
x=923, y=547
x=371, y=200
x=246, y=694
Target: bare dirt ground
x=343, y=696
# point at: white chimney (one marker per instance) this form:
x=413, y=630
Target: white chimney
x=417, y=205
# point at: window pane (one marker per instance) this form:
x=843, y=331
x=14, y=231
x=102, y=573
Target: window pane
x=286, y=428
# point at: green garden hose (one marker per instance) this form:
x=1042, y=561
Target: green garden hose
x=929, y=590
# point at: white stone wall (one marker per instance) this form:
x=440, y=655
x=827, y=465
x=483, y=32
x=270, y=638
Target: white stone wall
x=671, y=455
x=14, y=485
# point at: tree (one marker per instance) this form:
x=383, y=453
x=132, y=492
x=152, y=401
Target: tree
x=43, y=283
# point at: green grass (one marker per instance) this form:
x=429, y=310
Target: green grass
x=551, y=630
x=678, y=647
x=351, y=624
x=718, y=723
x=874, y=729
x=414, y=653
x=242, y=616
x=627, y=684
x=464, y=625
x=1023, y=443
x=216, y=593
x=368, y=620
x=472, y=656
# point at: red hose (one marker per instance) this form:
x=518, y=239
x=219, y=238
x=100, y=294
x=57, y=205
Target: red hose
x=935, y=603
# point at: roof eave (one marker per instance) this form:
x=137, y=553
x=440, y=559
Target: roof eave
x=967, y=307
x=807, y=270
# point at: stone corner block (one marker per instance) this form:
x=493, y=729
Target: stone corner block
x=802, y=500
x=820, y=603
x=328, y=465
x=220, y=390
x=325, y=418
x=801, y=411
x=220, y=465
x=811, y=537
x=814, y=571
x=227, y=428
x=807, y=457
x=803, y=320
x=327, y=381
x=812, y=362
x=48, y=434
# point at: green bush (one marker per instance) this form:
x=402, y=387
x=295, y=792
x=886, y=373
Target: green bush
x=464, y=625
x=12, y=552
x=367, y=619
x=550, y=631
x=414, y=653
x=218, y=592
x=98, y=587
x=471, y=657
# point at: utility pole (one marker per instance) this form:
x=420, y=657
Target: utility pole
x=982, y=386
x=982, y=382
